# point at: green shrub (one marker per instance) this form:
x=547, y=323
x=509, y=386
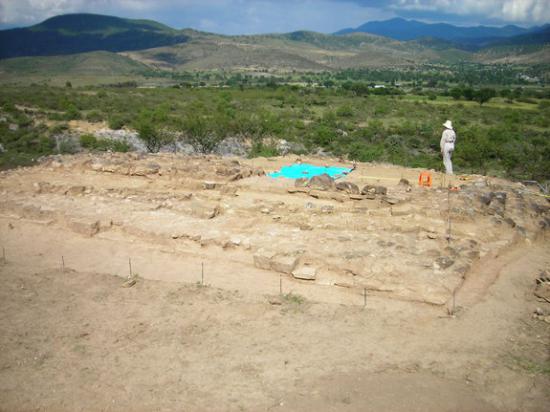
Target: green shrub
x=365, y=152
x=59, y=128
x=150, y=136
x=88, y=141
x=117, y=122
x=68, y=146
x=94, y=116
x=72, y=113
x=259, y=149
x=344, y=111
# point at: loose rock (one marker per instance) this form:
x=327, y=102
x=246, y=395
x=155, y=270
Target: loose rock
x=305, y=273
x=322, y=182
x=348, y=187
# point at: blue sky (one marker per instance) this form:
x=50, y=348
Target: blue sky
x=268, y=16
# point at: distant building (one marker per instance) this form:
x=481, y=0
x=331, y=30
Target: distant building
x=528, y=78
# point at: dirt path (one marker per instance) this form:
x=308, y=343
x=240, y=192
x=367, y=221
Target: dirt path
x=485, y=272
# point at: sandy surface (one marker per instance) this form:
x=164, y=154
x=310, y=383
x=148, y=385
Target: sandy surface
x=73, y=338
x=79, y=341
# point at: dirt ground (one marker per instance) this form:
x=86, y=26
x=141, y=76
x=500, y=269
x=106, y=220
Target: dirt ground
x=74, y=338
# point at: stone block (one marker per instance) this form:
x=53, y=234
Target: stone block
x=284, y=263
x=262, y=258
x=84, y=227
x=305, y=273
x=348, y=187
x=322, y=182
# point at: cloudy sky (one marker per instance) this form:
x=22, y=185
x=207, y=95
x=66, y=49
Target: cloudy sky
x=267, y=16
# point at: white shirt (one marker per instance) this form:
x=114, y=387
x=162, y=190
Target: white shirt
x=448, y=136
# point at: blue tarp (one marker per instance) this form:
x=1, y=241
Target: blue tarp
x=299, y=170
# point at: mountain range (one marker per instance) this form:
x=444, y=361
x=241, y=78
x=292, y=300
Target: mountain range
x=86, y=44
x=469, y=37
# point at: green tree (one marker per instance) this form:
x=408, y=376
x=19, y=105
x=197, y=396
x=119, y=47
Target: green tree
x=199, y=135
x=468, y=93
x=149, y=134
x=455, y=93
x=484, y=95
x=475, y=150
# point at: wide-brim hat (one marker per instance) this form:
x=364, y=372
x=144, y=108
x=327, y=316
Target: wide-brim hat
x=448, y=124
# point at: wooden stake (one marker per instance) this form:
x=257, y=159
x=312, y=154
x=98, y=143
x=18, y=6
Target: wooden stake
x=62, y=263
x=365, y=297
x=202, y=273
x=130, y=266
x=449, y=217
x=454, y=302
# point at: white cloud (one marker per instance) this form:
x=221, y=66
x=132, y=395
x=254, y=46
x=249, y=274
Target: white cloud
x=224, y=16
x=260, y=16
x=528, y=11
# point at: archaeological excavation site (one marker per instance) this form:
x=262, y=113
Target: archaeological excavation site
x=374, y=228
x=206, y=280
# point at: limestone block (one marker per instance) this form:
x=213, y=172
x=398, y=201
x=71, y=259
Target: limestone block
x=84, y=227
x=284, y=263
x=262, y=258
x=305, y=273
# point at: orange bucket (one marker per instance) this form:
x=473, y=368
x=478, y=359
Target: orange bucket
x=425, y=179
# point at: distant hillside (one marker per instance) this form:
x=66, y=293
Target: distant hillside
x=95, y=67
x=142, y=45
x=300, y=50
x=401, y=29
x=540, y=36
x=77, y=33
x=531, y=48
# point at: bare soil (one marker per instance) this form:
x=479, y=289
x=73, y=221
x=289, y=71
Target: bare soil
x=205, y=328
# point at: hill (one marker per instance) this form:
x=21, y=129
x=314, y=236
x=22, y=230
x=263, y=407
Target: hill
x=300, y=50
x=77, y=33
x=540, y=36
x=75, y=41
x=97, y=66
x=401, y=29
x=531, y=48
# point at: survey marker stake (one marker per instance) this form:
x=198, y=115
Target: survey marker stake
x=454, y=303
x=449, y=217
x=62, y=264
x=364, y=297
x=130, y=266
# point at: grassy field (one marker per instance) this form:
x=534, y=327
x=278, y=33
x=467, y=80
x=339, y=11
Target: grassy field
x=508, y=137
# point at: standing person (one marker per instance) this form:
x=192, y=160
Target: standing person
x=448, y=146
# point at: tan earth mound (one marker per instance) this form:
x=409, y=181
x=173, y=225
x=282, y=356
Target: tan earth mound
x=372, y=232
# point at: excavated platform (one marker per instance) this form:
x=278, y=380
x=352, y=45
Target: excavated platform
x=183, y=218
